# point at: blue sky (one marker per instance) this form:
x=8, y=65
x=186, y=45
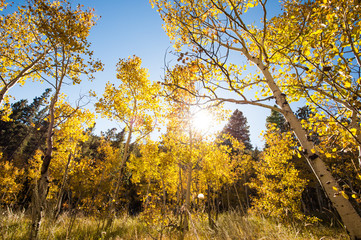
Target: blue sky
x=126, y=28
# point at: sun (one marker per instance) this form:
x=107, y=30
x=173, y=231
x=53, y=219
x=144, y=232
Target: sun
x=202, y=121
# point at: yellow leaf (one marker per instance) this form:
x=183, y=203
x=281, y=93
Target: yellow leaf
x=249, y=5
x=335, y=188
x=344, y=194
x=353, y=131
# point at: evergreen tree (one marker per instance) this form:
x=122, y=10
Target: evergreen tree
x=23, y=135
x=19, y=139
x=303, y=113
x=238, y=128
x=278, y=119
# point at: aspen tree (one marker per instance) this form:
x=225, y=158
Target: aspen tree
x=277, y=182
x=217, y=35
x=134, y=103
x=65, y=29
x=70, y=131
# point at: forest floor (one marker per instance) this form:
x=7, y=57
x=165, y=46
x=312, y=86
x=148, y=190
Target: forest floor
x=228, y=226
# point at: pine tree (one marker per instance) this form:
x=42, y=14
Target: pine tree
x=21, y=136
x=278, y=119
x=238, y=128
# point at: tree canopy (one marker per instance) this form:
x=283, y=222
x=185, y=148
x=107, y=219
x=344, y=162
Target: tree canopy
x=157, y=162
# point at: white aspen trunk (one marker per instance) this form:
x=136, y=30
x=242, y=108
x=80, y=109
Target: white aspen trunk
x=180, y=188
x=113, y=199
x=348, y=214
x=185, y=225
x=359, y=156
x=241, y=205
x=188, y=195
x=41, y=189
x=61, y=191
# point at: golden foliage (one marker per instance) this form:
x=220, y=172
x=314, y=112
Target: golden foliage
x=10, y=182
x=135, y=101
x=278, y=185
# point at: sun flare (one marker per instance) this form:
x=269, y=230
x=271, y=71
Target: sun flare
x=202, y=121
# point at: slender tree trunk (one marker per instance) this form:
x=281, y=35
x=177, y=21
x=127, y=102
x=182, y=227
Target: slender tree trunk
x=186, y=211
x=359, y=157
x=209, y=210
x=239, y=199
x=179, y=188
x=319, y=198
x=41, y=188
x=218, y=204
x=164, y=196
x=61, y=191
x=246, y=191
x=304, y=209
x=214, y=207
x=347, y=212
x=115, y=196
x=228, y=201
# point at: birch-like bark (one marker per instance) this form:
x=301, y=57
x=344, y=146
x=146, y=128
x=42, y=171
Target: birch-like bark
x=186, y=211
x=41, y=190
x=115, y=197
x=348, y=214
x=61, y=191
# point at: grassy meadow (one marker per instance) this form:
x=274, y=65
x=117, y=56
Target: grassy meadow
x=16, y=225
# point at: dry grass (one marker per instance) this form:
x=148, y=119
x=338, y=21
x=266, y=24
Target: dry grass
x=234, y=226
x=229, y=226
